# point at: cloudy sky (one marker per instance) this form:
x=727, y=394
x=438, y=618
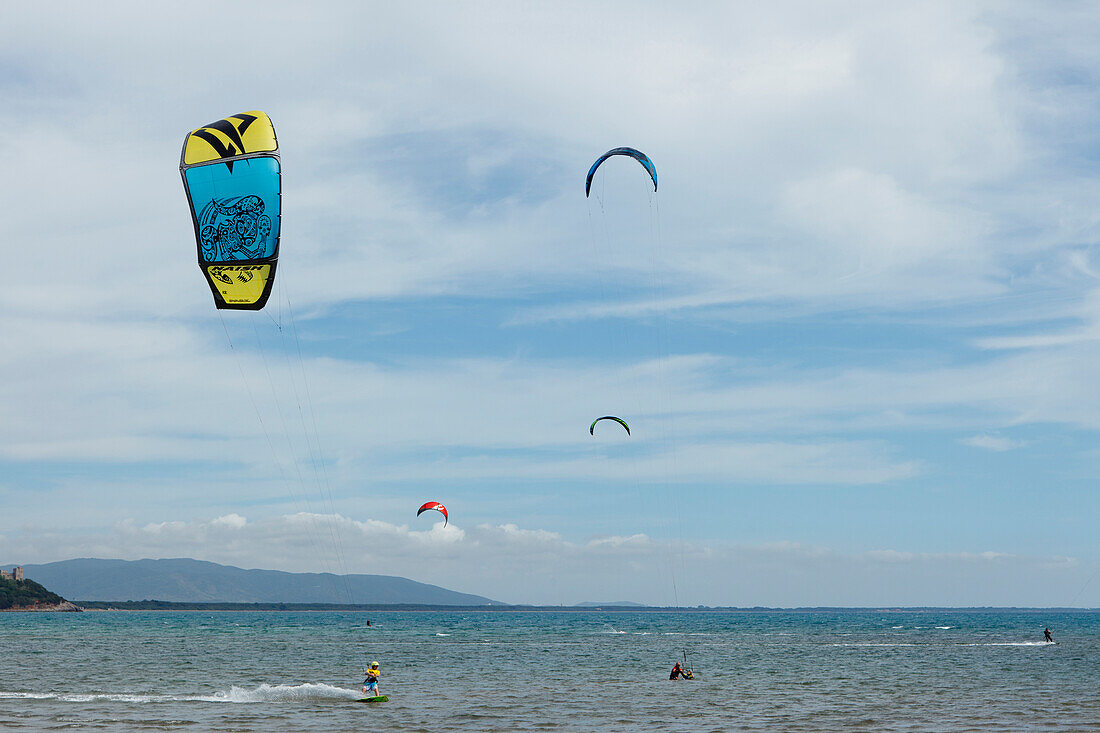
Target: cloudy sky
x=856, y=332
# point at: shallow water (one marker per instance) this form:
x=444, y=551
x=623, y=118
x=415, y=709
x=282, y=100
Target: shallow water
x=506, y=671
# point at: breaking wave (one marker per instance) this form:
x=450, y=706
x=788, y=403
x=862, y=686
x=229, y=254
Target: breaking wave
x=263, y=693
x=1012, y=643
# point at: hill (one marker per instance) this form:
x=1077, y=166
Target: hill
x=27, y=594
x=186, y=580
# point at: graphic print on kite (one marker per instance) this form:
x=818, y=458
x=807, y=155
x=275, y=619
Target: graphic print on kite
x=236, y=213
x=234, y=229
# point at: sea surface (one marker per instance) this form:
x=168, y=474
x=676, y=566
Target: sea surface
x=560, y=671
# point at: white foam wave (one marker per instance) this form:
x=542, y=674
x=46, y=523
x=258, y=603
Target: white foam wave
x=983, y=643
x=281, y=693
x=1011, y=643
x=897, y=627
x=88, y=697
x=263, y=693
x=945, y=627
x=869, y=643
x=441, y=634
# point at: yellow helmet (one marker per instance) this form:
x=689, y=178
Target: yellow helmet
x=374, y=664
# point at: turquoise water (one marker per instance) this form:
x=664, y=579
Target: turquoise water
x=501, y=671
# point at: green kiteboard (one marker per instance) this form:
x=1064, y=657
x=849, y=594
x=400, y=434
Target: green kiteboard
x=379, y=698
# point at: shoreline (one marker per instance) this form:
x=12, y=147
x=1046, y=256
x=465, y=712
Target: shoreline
x=63, y=607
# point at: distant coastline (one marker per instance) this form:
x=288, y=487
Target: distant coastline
x=153, y=605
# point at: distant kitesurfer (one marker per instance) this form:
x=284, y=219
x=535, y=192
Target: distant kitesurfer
x=1050, y=638
x=368, y=622
x=370, y=684
x=677, y=672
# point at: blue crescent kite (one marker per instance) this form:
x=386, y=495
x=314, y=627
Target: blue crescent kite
x=637, y=155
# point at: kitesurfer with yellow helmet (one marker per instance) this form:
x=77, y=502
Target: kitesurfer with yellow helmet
x=370, y=684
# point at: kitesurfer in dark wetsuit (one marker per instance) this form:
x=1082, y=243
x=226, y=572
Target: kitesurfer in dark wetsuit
x=677, y=672
x=1046, y=633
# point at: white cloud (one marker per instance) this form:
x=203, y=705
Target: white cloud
x=992, y=442
x=235, y=521
x=518, y=565
x=827, y=140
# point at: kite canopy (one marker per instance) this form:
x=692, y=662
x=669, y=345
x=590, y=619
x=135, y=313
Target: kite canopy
x=232, y=176
x=436, y=506
x=637, y=155
x=592, y=427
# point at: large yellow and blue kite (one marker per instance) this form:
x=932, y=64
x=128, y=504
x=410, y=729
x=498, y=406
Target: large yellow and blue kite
x=233, y=180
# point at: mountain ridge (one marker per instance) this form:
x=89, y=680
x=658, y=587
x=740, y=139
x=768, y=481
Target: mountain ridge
x=189, y=580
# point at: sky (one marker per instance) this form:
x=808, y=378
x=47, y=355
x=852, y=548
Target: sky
x=855, y=332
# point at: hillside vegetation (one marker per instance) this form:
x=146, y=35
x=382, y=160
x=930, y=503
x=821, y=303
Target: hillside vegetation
x=23, y=593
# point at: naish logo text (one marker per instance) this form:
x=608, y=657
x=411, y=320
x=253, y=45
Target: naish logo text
x=233, y=133
x=244, y=273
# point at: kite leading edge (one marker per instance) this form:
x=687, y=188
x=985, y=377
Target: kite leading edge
x=637, y=155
